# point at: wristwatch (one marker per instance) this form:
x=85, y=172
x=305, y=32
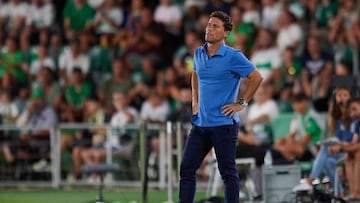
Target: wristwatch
x=242, y=102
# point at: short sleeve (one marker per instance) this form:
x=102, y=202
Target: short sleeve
x=311, y=127
x=241, y=65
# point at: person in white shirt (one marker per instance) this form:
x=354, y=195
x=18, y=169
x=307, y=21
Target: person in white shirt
x=170, y=15
x=251, y=13
x=108, y=18
x=119, y=141
x=39, y=18
x=270, y=11
x=13, y=15
x=43, y=60
x=9, y=112
x=40, y=14
x=290, y=33
x=266, y=57
x=154, y=109
x=71, y=58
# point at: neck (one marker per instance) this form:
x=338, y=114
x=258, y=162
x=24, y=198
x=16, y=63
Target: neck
x=213, y=47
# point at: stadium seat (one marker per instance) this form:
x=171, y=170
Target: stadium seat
x=101, y=170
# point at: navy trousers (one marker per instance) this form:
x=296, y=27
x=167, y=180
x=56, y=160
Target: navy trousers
x=198, y=144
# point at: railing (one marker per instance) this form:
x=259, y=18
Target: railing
x=167, y=132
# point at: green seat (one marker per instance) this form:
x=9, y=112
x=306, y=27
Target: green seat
x=281, y=124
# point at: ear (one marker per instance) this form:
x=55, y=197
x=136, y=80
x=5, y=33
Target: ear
x=226, y=34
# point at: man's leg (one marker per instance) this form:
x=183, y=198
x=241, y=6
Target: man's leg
x=196, y=147
x=224, y=139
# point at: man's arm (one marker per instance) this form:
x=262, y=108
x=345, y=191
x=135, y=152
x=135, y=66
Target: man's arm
x=195, y=93
x=254, y=81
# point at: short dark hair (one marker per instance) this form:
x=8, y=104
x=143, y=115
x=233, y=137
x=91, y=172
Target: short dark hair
x=355, y=100
x=299, y=97
x=225, y=18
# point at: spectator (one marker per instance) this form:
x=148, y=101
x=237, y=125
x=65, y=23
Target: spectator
x=71, y=58
x=77, y=91
x=92, y=114
x=289, y=33
x=352, y=164
x=43, y=60
x=168, y=86
x=251, y=13
x=39, y=19
x=46, y=81
x=11, y=68
x=34, y=143
x=22, y=100
x=341, y=47
x=217, y=5
x=290, y=72
x=243, y=34
x=304, y=132
x=108, y=18
x=340, y=125
x=323, y=17
x=134, y=14
x=255, y=138
x=77, y=16
x=143, y=38
x=9, y=112
x=316, y=73
x=13, y=17
x=183, y=111
x=101, y=59
x=155, y=109
x=347, y=19
x=266, y=56
x=170, y=15
x=119, y=143
x=55, y=49
x=191, y=18
x=120, y=81
x=269, y=13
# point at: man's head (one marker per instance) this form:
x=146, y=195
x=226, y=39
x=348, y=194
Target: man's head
x=300, y=103
x=218, y=27
x=38, y=98
x=355, y=108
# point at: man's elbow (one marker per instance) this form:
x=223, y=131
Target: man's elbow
x=256, y=77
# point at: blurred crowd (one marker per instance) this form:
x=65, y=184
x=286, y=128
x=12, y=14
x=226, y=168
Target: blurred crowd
x=79, y=50
x=122, y=61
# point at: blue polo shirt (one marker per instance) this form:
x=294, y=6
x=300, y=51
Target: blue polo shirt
x=218, y=83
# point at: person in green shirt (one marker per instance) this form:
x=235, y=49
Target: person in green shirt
x=243, y=34
x=78, y=91
x=78, y=16
x=11, y=72
x=304, y=133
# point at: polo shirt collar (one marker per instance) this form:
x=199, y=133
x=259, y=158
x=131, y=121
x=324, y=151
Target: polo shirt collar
x=220, y=52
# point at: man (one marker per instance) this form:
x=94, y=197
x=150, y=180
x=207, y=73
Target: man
x=215, y=84
x=304, y=133
x=35, y=142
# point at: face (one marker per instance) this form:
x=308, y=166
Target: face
x=264, y=38
x=215, y=31
x=119, y=100
x=342, y=96
x=10, y=45
x=355, y=110
x=313, y=45
x=300, y=106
